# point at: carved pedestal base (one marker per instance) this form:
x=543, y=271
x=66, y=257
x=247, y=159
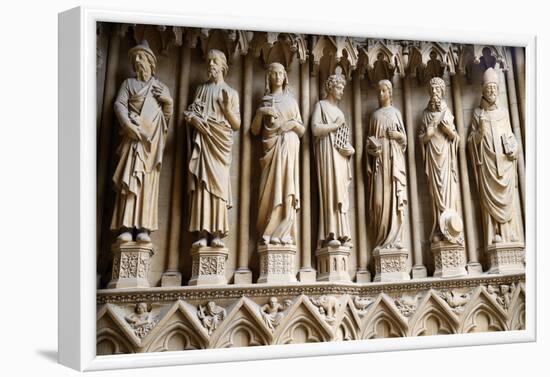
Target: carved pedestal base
x=277, y=263
x=171, y=279
x=307, y=275
x=131, y=261
x=449, y=260
x=333, y=263
x=506, y=258
x=208, y=265
x=363, y=276
x=391, y=265
x=242, y=276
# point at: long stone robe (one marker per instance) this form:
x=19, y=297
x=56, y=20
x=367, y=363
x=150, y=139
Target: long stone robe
x=137, y=174
x=210, y=161
x=441, y=164
x=387, y=179
x=333, y=175
x=279, y=198
x=495, y=174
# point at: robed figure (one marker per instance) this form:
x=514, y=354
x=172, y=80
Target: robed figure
x=214, y=115
x=386, y=169
x=333, y=153
x=143, y=107
x=494, y=150
x=439, y=140
x=279, y=121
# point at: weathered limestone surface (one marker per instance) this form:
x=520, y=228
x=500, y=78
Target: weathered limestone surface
x=308, y=165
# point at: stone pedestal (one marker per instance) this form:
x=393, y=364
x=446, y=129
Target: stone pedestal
x=474, y=268
x=208, y=265
x=449, y=260
x=171, y=279
x=131, y=262
x=242, y=276
x=307, y=275
x=391, y=265
x=333, y=263
x=419, y=272
x=506, y=258
x=277, y=263
x=363, y=276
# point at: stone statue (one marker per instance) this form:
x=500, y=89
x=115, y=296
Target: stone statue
x=387, y=177
x=272, y=312
x=439, y=140
x=143, y=107
x=333, y=153
x=141, y=320
x=327, y=305
x=279, y=120
x=211, y=316
x=215, y=115
x=494, y=150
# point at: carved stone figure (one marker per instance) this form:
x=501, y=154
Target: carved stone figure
x=406, y=304
x=141, y=320
x=362, y=304
x=387, y=184
x=439, y=140
x=333, y=153
x=327, y=306
x=494, y=151
x=143, y=108
x=386, y=144
x=214, y=115
x=279, y=120
x=272, y=312
x=211, y=316
x=455, y=299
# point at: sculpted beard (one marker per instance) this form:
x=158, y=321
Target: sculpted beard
x=435, y=102
x=141, y=69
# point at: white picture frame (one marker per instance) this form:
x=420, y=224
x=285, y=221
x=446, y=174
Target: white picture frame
x=77, y=188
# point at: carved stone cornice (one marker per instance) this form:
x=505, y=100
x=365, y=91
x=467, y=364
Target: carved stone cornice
x=253, y=290
x=337, y=51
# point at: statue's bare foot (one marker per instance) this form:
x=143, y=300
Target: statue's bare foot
x=275, y=241
x=200, y=243
x=143, y=236
x=217, y=242
x=398, y=245
x=436, y=238
x=125, y=237
x=347, y=243
x=497, y=238
x=334, y=243
x=286, y=240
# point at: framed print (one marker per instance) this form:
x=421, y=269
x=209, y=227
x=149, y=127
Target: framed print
x=231, y=190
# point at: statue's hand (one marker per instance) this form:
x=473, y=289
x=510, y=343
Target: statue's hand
x=267, y=111
x=394, y=135
x=162, y=94
x=132, y=132
x=201, y=125
x=285, y=127
x=348, y=151
x=430, y=132
x=224, y=100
